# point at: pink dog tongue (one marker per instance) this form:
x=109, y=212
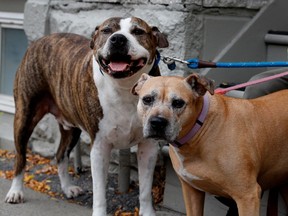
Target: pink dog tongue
x=119, y=66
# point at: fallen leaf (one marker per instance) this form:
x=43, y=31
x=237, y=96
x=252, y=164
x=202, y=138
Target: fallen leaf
x=28, y=178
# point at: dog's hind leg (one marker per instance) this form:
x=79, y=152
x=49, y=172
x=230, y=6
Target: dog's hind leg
x=27, y=115
x=69, y=139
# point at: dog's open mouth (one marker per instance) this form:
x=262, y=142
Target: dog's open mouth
x=121, y=66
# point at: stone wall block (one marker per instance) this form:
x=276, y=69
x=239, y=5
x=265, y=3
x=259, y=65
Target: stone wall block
x=106, y=1
x=119, y=1
x=82, y=23
x=169, y=2
x=35, y=18
x=166, y=2
x=46, y=137
x=255, y=4
x=224, y=3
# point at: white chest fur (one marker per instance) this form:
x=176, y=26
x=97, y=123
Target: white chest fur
x=120, y=125
x=182, y=172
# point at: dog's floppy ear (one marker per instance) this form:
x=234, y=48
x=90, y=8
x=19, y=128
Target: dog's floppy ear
x=162, y=41
x=93, y=37
x=137, y=87
x=200, y=84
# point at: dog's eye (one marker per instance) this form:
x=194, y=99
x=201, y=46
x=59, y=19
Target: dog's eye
x=178, y=103
x=138, y=31
x=148, y=100
x=107, y=30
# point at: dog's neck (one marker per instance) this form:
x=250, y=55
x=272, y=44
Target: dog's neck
x=155, y=69
x=198, y=124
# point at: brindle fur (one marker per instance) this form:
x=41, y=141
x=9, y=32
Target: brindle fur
x=38, y=91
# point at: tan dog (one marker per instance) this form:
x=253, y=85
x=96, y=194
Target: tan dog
x=86, y=85
x=238, y=149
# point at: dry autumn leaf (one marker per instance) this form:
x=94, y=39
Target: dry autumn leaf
x=48, y=170
x=7, y=174
x=3, y=152
x=120, y=212
x=6, y=154
x=28, y=178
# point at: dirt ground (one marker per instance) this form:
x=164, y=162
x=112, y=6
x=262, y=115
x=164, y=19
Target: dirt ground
x=41, y=175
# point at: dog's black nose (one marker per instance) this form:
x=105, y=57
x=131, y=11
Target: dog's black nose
x=158, y=123
x=118, y=40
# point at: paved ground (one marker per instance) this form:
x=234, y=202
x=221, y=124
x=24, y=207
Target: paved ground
x=39, y=204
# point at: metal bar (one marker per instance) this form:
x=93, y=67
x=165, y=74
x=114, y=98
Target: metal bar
x=77, y=158
x=124, y=170
x=276, y=39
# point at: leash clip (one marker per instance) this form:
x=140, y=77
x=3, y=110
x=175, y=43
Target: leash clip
x=170, y=61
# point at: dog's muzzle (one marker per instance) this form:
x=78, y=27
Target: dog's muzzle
x=157, y=128
x=118, y=63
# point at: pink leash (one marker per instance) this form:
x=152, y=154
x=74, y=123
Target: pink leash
x=265, y=79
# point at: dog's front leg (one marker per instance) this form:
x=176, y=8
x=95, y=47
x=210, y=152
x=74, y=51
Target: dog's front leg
x=147, y=157
x=248, y=200
x=193, y=198
x=100, y=154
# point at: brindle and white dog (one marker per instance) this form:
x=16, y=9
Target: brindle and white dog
x=86, y=86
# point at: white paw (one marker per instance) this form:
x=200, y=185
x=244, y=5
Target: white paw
x=14, y=196
x=147, y=212
x=100, y=212
x=72, y=191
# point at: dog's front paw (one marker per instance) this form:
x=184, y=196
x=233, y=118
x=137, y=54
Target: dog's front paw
x=147, y=212
x=100, y=212
x=14, y=196
x=72, y=191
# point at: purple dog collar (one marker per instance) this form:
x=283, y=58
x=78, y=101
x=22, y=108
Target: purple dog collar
x=197, y=126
